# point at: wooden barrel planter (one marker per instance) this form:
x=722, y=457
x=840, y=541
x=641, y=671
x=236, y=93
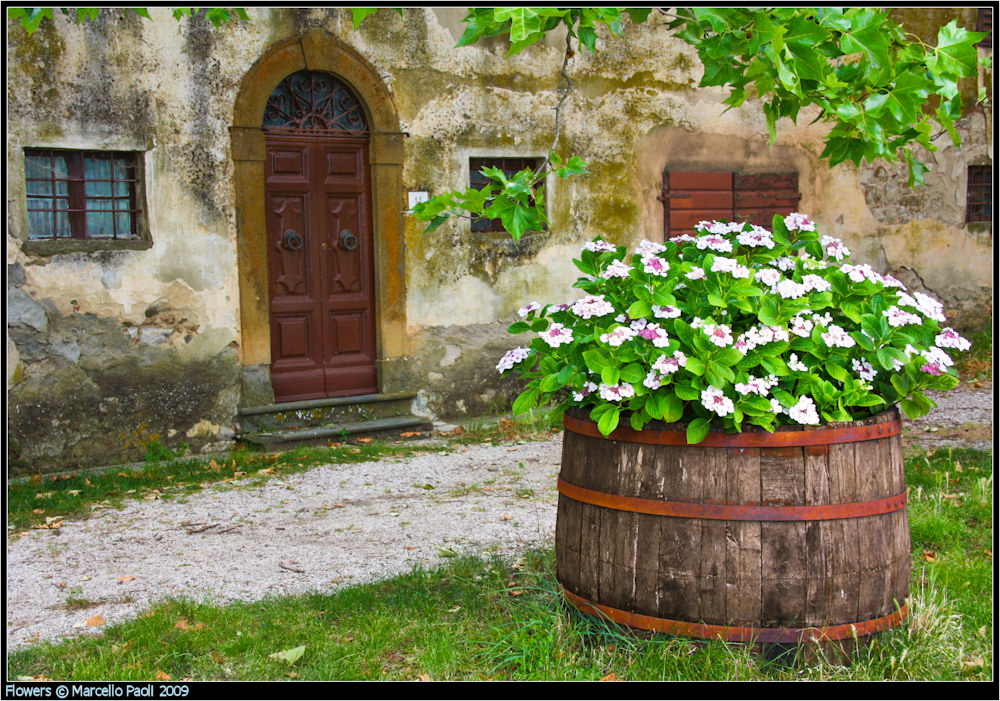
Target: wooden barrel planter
x=797, y=536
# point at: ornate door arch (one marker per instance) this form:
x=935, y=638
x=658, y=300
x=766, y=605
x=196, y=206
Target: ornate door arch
x=318, y=212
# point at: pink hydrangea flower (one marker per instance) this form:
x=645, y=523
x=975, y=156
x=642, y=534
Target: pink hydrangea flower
x=556, y=335
x=834, y=248
x=511, y=358
x=863, y=369
x=714, y=242
x=949, y=338
x=756, y=237
x=720, y=335
x=528, y=308
x=599, y=246
x=653, y=332
x=668, y=365
x=588, y=388
x=799, y=222
x=655, y=266
x=591, y=306
x=715, y=400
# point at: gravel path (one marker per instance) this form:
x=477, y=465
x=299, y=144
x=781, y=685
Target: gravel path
x=330, y=527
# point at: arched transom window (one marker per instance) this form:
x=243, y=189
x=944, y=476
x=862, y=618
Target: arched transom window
x=315, y=102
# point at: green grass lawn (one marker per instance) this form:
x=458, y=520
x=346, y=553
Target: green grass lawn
x=494, y=619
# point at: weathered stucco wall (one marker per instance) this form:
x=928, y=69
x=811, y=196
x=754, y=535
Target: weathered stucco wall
x=110, y=350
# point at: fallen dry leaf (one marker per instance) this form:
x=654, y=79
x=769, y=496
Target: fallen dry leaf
x=410, y=434
x=364, y=440
x=505, y=517
x=38, y=512
x=610, y=678
x=183, y=624
x=97, y=620
x=126, y=579
x=424, y=678
x=930, y=556
x=163, y=676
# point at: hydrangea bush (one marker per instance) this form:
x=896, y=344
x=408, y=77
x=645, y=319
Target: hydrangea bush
x=736, y=325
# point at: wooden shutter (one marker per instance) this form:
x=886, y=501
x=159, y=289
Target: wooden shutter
x=690, y=197
x=984, y=23
x=759, y=196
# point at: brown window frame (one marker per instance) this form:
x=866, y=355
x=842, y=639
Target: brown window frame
x=71, y=190
x=510, y=165
x=979, y=194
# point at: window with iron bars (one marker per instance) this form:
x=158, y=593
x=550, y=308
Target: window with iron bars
x=979, y=194
x=88, y=195
x=510, y=167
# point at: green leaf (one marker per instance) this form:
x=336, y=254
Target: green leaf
x=291, y=656
x=697, y=430
x=955, y=53
x=633, y=373
x=609, y=421
x=595, y=361
x=526, y=401
x=550, y=383
x=673, y=409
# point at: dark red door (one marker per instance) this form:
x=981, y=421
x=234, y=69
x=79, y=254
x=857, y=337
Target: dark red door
x=320, y=260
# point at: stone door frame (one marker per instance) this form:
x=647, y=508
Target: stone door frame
x=317, y=51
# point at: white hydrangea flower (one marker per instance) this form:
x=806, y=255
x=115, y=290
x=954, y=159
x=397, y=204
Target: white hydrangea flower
x=616, y=393
x=666, y=312
x=618, y=336
x=897, y=317
x=617, y=268
x=835, y=336
x=804, y=411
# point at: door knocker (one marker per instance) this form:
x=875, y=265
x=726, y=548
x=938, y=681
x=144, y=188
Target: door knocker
x=293, y=241
x=348, y=241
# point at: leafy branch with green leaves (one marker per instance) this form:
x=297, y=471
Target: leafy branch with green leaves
x=31, y=17
x=860, y=71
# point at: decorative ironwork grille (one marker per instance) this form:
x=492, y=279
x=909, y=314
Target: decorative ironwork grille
x=979, y=195
x=81, y=194
x=314, y=102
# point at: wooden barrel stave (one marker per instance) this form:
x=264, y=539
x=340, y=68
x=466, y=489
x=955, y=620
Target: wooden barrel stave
x=739, y=573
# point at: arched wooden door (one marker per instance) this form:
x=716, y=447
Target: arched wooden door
x=317, y=193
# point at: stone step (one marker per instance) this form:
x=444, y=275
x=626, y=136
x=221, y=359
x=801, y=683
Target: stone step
x=320, y=412
x=287, y=437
